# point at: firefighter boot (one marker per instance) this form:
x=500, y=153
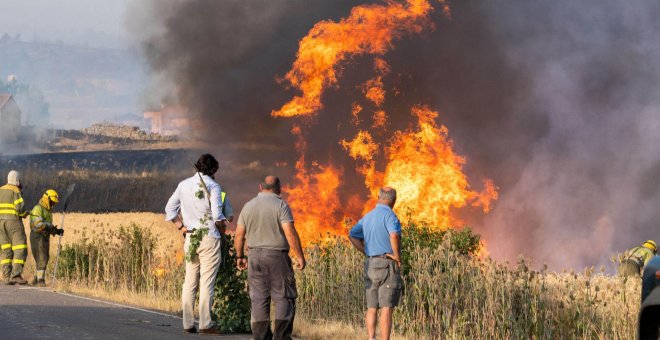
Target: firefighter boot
x=7, y=280
x=19, y=280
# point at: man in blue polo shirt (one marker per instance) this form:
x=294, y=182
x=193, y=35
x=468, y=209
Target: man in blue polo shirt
x=378, y=236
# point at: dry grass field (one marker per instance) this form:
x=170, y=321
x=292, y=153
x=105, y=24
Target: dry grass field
x=448, y=295
x=86, y=226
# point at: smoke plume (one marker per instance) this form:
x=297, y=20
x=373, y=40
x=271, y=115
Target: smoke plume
x=557, y=102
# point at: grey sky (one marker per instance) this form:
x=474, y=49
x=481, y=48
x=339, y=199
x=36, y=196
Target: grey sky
x=94, y=22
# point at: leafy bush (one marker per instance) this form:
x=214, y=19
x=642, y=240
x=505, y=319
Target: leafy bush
x=231, y=306
x=127, y=260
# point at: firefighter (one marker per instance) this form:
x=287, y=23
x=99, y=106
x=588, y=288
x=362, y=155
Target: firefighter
x=41, y=227
x=13, y=242
x=633, y=261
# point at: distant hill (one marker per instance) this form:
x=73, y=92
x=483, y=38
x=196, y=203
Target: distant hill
x=81, y=84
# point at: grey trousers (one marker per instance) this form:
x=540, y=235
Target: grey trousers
x=270, y=277
x=40, y=245
x=200, y=273
x=629, y=267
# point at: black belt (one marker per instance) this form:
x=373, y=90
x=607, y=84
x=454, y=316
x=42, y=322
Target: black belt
x=268, y=249
x=381, y=256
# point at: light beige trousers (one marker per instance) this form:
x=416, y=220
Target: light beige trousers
x=200, y=273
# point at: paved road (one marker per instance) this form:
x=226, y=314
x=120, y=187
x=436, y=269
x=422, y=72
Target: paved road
x=40, y=313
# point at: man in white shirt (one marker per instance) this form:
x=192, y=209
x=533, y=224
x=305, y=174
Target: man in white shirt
x=195, y=213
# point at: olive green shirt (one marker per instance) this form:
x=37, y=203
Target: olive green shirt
x=641, y=255
x=41, y=220
x=263, y=217
x=12, y=206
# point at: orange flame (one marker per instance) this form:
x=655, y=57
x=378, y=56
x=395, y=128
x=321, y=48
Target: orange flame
x=373, y=88
x=355, y=113
x=314, y=199
x=427, y=173
x=419, y=162
x=361, y=147
x=369, y=29
x=482, y=252
x=380, y=119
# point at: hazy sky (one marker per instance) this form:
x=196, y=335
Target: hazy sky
x=94, y=22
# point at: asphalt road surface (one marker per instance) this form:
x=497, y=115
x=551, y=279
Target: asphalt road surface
x=39, y=313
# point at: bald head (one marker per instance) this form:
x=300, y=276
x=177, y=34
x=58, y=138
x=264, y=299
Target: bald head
x=271, y=184
x=387, y=196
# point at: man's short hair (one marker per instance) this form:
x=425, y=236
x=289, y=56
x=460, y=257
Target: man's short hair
x=271, y=183
x=207, y=164
x=387, y=194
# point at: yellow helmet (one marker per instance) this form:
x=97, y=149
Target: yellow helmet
x=651, y=245
x=52, y=195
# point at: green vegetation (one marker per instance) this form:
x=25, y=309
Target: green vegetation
x=231, y=307
x=127, y=262
x=449, y=293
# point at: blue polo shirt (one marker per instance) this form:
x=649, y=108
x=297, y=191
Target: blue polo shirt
x=375, y=228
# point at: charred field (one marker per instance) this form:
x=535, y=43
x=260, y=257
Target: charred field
x=107, y=181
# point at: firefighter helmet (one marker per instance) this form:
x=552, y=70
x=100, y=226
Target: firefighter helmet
x=651, y=245
x=52, y=195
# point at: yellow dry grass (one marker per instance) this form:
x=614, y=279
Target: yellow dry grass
x=324, y=329
x=80, y=225
x=489, y=299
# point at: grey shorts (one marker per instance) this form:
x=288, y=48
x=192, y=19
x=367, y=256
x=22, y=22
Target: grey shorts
x=383, y=282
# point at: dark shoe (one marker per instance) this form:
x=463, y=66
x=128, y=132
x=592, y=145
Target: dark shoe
x=283, y=329
x=261, y=330
x=41, y=283
x=7, y=281
x=190, y=330
x=18, y=280
x=209, y=331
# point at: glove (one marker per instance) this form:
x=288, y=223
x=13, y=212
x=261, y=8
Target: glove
x=59, y=232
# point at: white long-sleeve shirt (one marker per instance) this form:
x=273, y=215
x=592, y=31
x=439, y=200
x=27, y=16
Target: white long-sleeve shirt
x=190, y=200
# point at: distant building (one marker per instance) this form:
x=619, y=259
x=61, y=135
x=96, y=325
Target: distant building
x=10, y=119
x=170, y=120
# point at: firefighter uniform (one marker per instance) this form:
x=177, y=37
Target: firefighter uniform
x=13, y=242
x=41, y=227
x=636, y=258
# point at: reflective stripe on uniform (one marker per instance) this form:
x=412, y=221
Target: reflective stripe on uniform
x=18, y=201
x=19, y=261
x=6, y=261
x=7, y=205
x=19, y=246
x=8, y=212
x=5, y=246
x=223, y=196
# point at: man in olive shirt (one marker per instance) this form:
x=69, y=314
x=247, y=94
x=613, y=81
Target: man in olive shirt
x=267, y=224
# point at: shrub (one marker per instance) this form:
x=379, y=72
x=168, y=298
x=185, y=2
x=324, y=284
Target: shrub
x=127, y=260
x=231, y=306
